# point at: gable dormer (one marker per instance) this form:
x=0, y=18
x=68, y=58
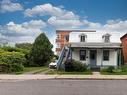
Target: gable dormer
x=83, y=37
x=106, y=38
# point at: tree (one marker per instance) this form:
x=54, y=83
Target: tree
x=41, y=52
x=27, y=46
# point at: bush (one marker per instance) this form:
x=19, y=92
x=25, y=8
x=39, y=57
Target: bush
x=110, y=69
x=124, y=68
x=14, y=49
x=11, y=62
x=72, y=65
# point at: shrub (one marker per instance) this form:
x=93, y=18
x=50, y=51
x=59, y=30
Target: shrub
x=14, y=49
x=124, y=68
x=110, y=69
x=72, y=65
x=11, y=61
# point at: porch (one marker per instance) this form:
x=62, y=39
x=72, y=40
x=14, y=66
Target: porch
x=97, y=54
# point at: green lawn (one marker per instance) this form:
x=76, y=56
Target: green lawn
x=29, y=69
x=52, y=72
x=115, y=72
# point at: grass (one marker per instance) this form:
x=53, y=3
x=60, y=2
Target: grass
x=30, y=69
x=114, y=73
x=118, y=71
x=53, y=72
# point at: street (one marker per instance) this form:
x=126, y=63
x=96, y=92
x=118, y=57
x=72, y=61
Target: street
x=63, y=87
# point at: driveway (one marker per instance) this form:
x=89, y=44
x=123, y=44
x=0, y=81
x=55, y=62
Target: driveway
x=63, y=87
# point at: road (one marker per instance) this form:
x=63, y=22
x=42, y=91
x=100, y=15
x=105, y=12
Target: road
x=63, y=87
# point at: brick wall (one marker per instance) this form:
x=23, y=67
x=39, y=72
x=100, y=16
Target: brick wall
x=124, y=45
x=61, y=40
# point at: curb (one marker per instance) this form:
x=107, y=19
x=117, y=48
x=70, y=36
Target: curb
x=63, y=77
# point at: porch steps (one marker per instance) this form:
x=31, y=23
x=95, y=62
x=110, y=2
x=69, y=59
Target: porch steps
x=95, y=69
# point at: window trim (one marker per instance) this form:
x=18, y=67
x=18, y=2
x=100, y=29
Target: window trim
x=81, y=56
x=107, y=54
x=83, y=37
x=105, y=37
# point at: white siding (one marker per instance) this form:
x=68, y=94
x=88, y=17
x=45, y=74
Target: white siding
x=75, y=55
x=112, y=59
x=95, y=36
x=99, y=61
x=99, y=57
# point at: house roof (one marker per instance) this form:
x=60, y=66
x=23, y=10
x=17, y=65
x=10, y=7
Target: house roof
x=124, y=36
x=96, y=45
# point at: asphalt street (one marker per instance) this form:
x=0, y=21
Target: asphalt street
x=63, y=87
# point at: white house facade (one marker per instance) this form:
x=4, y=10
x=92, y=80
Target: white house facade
x=96, y=49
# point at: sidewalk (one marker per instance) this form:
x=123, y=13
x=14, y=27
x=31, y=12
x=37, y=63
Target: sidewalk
x=82, y=77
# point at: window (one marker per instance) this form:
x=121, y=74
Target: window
x=106, y=38
x=106, y=55
x=58, y=45
x=58, y=36
x=67, y=38
x=82, y=39
x=82, y=54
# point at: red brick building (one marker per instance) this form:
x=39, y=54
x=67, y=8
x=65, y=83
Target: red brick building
x=124, y=45
x=62, y=38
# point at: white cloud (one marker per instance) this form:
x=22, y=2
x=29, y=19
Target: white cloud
x=26, y=31
x=50, y=10
x=45, y=9
x=8, y=6
x=117, y=25
x=58, y=16
x=60, y=23
x=91, y=24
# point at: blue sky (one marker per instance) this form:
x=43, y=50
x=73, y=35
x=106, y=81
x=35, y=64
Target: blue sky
x=23, y=20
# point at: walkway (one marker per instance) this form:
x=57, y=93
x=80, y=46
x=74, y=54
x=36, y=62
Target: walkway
x=41, y=77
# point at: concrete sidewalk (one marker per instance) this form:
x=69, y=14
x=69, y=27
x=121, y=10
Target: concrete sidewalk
x=41, y=77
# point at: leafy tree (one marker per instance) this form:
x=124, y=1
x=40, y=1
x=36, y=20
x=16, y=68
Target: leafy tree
x=41, y=52
x=27, y=46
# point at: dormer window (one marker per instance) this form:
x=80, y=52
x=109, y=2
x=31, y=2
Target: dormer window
x=82, y=38
x=106, y=38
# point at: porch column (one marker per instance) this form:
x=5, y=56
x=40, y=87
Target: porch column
x=88, y=57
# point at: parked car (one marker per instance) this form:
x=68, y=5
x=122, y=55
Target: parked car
x=53, y=65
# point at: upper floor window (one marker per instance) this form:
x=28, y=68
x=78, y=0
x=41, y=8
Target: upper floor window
x=58, y=36
x=106, y=38
x=67, y=38
x=58, y=45
x=83, y=38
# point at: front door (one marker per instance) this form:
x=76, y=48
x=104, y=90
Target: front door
x=93, y=57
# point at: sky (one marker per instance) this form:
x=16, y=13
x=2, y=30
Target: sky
x=23, y=20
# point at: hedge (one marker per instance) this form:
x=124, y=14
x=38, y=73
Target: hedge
x=11, y=61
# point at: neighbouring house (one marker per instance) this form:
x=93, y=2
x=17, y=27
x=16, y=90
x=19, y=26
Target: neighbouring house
x=124, y=47
x=62, y=38
x=95, y=49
